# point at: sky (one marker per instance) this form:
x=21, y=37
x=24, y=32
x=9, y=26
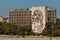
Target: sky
x=6, y=5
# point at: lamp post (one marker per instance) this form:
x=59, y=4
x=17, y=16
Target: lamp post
x=51, y=31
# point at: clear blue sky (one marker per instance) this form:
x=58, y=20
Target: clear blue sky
x=6, y=5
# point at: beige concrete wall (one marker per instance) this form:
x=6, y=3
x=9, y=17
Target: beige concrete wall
x=42, y=9
x=1, y=19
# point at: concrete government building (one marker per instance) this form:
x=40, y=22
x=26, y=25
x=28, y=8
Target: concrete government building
x=37, y=16
x=20, y=17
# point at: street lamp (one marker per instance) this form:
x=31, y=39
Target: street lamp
x=51, y=24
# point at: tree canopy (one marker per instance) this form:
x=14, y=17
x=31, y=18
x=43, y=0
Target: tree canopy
x=53, y=29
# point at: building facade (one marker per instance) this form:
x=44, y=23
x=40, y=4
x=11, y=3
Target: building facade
x=20, y=17
x=38, y=16
x=1, y=18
